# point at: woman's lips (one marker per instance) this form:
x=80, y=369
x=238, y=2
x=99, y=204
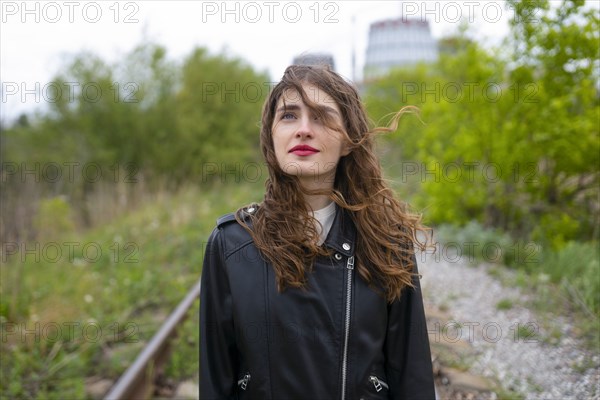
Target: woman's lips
x=303, y=150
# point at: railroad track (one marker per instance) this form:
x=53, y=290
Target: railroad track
x=138, y=380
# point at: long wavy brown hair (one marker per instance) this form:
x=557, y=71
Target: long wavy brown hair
x=284, y=230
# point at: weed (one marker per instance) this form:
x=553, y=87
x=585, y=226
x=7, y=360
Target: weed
x=583, y=364
x=507, y=394
x=504, y=304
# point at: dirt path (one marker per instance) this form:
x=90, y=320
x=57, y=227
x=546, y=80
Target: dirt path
x=506, y=345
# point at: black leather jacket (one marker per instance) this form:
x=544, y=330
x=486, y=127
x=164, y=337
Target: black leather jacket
x=337, y=339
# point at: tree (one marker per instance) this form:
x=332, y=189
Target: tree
x=511, y=142
x=146, y=117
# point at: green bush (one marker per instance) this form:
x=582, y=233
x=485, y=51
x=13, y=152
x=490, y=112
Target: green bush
x=476, y=242
x=577, y=267
x=555, y=230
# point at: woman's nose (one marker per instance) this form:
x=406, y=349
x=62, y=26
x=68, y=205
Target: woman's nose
x=305, y=128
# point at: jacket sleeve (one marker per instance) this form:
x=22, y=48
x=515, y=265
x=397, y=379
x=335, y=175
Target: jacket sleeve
x=408, y=357
x=218, y=352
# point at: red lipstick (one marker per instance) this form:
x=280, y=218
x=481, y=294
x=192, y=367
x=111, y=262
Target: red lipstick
x=303, y=150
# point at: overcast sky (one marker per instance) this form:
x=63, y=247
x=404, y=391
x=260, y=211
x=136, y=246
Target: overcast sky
x=37, y=36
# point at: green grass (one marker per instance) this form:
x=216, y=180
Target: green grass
x=577, y=268
x=526, y=332
x=504, y=304
x=505, y=394
x=88, y=313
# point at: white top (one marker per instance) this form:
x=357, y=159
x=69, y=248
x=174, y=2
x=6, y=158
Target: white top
x=325, y=217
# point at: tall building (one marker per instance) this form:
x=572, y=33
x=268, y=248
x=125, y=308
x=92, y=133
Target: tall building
x=398, y=43
x=315, y=59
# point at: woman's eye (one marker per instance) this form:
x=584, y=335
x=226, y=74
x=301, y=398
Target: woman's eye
x=288, y=116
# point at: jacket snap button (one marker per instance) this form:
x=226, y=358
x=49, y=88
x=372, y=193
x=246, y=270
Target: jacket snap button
x=346, y=246
x=338, y=256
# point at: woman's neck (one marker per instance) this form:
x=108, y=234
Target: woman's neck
x=317, y=202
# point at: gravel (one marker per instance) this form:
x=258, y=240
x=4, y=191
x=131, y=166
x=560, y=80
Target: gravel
x=545, y=366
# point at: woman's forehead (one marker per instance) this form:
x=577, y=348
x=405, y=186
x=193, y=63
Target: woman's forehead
x=312, y=92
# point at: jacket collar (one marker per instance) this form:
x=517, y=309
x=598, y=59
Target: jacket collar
x=342, y=235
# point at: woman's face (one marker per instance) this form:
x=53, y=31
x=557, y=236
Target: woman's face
x=304, y=146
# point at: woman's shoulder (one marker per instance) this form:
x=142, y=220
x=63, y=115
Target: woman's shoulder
x=244, y=213
x=232, y=231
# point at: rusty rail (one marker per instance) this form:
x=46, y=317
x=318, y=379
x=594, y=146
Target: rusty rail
x=138, y=381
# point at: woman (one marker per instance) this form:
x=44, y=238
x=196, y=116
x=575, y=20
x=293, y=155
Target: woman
x=314, y=293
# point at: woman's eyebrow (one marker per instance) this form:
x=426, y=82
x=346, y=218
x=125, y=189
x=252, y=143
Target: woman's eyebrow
x=288, y=107
x=295, y=107
x=329, y=110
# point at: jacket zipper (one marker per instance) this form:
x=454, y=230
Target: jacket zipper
x=378, y=383
x=243, y=383
x=350, y=267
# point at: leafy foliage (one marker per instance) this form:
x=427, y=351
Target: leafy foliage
x=161, y=117
x=145, y=120
x=510, y=141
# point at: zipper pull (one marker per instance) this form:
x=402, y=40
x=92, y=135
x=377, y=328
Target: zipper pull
x=243, y=383
x=376, y=383
x=350, y=263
